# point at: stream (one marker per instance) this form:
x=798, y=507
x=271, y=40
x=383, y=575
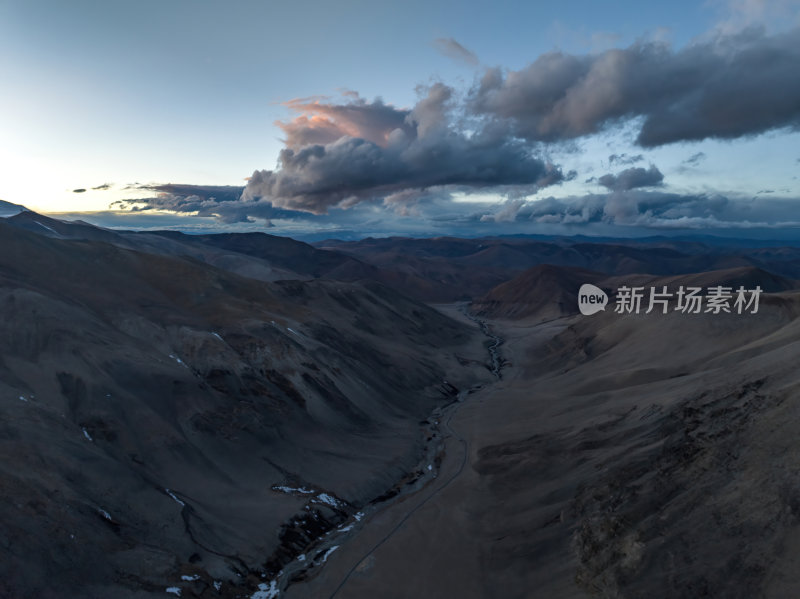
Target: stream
x=494, y=346
x=308, y=564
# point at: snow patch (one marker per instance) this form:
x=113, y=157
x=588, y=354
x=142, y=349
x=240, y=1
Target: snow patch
x=265, y=591
x=174, y=591
x=430, y=467
x=188, y=578
x=86, y=434
x=328, y=500
x=178, y=360
x=53, y=231
x=344, y=528
x=105, y=514
x=22, y=398
x=293, y=331
x=290, y=490
x=327, y=554
x=217, y=585
x=358, y=516
x=218, y=337
x=171, y=494
x=301, y=557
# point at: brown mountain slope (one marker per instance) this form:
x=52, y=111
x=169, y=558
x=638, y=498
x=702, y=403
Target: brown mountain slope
x=283, y=252
x=542, y=292
x=623, y=456
x=152, y=407
x=165, y=244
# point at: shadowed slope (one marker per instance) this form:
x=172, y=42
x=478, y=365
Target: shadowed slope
x=152, y=405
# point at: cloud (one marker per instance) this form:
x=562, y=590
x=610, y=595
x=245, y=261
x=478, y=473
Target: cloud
x=411, y=202
x=321, y=122
x=220, y=201
x=651, y=209
x=695, y=159
x=452, y=49
x=214, y=193
x=741, y=14
x=506, y=214
x=731, y=86
x=632, y=178
x=102, y=187
x=354, y=151
x=357, y=161
x=625, y=158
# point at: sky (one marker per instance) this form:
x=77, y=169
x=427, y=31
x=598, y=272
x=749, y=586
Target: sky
x=357, y=118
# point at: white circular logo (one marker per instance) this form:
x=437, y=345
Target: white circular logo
x=591, y=299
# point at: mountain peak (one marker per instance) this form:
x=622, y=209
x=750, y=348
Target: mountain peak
x=8, y=209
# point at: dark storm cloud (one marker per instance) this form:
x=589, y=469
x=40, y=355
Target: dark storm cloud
x=729, y=87
x=653, y=210
x=220, y=201
x=631, y=178
x=79, y=190
x=362, y=151
x=452, y=49
x=102, y=187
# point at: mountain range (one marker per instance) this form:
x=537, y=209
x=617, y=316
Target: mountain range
x=223, y=415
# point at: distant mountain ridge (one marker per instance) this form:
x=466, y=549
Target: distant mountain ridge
x=441, y=269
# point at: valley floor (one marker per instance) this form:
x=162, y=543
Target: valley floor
x=628, y=472
x=439, y=542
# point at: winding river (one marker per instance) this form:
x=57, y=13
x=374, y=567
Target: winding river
x=441, y=417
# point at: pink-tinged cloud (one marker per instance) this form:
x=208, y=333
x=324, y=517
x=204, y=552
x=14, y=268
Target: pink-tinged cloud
x=321, y=122
x=341, y=154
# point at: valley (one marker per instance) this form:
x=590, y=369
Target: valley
x=626, y=472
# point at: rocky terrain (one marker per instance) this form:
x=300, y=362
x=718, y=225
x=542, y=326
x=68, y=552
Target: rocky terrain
x=167, y=423
x=620, y=456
